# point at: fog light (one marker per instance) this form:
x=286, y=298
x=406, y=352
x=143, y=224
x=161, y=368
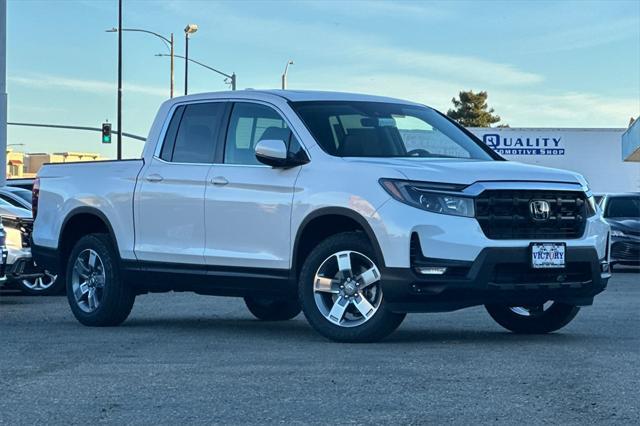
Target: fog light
x=431, y=270
x=604, y=266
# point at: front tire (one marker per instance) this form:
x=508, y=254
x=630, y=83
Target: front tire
x=97, y=295
x=539, y=319
x=341, y=293
x=269, y=309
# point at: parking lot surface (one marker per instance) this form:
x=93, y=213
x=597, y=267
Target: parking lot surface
x=183, y=358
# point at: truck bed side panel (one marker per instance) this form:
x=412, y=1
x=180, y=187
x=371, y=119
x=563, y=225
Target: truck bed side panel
x=66, y=189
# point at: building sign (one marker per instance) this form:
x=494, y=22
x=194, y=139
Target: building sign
x=509, y=145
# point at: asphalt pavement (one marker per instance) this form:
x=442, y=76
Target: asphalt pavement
x=183, y=358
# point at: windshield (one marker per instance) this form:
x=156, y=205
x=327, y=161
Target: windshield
x=376, y=129
x=23, y=193
x=623, y=207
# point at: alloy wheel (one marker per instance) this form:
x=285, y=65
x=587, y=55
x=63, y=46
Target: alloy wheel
x=531, y=311
x=40, y=283
x=347, y=288
x=88, y=280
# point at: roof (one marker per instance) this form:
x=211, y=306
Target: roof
x=294, y=96
x=623, y=194
x=547, y=129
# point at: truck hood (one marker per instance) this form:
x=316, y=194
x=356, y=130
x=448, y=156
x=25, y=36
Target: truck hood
x=468, y=172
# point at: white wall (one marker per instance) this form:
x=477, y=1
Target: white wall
x=595, y=153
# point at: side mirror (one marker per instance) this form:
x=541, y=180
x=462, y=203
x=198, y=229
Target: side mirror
x=272, y=152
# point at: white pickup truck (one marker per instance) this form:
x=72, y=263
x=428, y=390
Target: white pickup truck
x=356, y=209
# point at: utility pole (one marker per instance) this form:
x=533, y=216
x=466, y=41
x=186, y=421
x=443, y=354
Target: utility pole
x=172, y=63
x=3, y=92
x=119, y=140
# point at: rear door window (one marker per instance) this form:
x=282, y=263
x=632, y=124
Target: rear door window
x=193, y=133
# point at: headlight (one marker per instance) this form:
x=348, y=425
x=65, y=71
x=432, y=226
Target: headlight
x=428, y=197
x=617, y=233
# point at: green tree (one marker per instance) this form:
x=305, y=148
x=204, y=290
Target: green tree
x=471, y=110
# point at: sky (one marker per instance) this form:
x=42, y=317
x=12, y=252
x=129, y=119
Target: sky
x=544, y=64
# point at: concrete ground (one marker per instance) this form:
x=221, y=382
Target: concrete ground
x=183, y=358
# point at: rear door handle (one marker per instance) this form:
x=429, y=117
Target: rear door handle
x=219, y=180
x=154, y=178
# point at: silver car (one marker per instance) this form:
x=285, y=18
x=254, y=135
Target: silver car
x=19, y=268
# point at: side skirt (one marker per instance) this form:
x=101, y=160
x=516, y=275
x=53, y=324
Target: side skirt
x=157, y=277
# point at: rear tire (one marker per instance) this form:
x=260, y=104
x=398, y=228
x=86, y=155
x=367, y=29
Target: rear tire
x=269, y=309
x=341, y=293
x=97, y=295
x=533, y=320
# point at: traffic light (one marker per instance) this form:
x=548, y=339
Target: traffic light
x=106, y=132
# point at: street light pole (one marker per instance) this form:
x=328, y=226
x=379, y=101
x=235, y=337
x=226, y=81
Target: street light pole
x=168, y=42
x=186, y=63
x=119, y=157
x=231, y=77
x=189, y=29
x=284, y=74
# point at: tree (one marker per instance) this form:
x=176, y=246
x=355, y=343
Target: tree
x=471, y=110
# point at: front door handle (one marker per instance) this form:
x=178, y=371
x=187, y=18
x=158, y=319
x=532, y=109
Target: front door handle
x=154, y=178
x=219, y=180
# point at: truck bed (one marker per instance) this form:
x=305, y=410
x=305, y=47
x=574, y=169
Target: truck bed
x=107, y=187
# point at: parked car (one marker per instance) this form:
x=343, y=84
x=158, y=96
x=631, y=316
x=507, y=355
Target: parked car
x=20, y=270
x=3, y=257
x=17, y=197
x=622, y=212
x=24, y=183
x=357, y=209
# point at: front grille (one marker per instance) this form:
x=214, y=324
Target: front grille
x=509, y=273
x=505, y=214
x=626, y=251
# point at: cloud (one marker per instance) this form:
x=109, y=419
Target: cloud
x=384, y=8
x=517, y=107
x=333, y=43
x=44, y=81
x=469, y=69
x=581, y=37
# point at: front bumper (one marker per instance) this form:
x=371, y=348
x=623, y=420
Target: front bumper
x=625, y=251
x=457, y=238
x=19, y=264
x=3, y=263
x=498, y=275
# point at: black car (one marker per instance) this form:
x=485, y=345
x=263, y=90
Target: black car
x=622, y=211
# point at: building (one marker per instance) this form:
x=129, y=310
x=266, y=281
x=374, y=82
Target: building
x=21, y=165
x=15, y=163
x=631, y=142
x=594, y=153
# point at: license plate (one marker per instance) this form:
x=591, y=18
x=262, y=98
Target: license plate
x=548, y=255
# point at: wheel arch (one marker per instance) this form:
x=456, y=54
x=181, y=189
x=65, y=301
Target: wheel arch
x=79, y=222
x=312, y=230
